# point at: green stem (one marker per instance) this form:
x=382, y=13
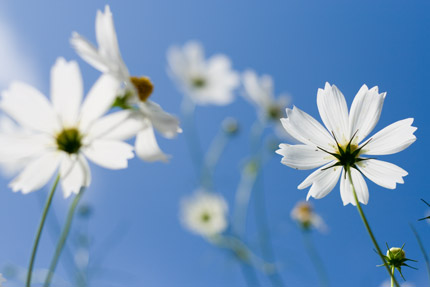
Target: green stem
x=366, y=224
x=261, y=217
x=316, y=259
x=39, y=230
x=63, y=237
x=423, y=251
x=392, y=277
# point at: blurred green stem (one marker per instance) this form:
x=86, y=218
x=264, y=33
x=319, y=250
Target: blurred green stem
x=366, y=224
x=315, y=258
x=423, y=251
x=39, y=230
x=63, y=237
x=191, y=136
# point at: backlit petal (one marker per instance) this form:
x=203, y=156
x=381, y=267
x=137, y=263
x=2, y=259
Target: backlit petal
x=392, y=139
x=382, y=173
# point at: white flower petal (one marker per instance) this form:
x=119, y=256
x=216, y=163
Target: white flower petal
x=323, y=181
x=75, y=173
x=163, y=122
x=37, y=173
x=108, y=43
x=365, y=112
x=98, y=101
x=121, y=125
x=382, y=173
x=66, y=90
x=29, y=108
x=19, y=146
x=110, y=154
x=303, y=156
x=259, y=91
x=334, y=112
x=392, y=139
x=88, y=52
x=306, y=129
x=147, y=147
x=360, y=186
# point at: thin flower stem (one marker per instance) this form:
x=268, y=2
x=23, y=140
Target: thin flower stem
x=249, y=275
x=212, y=156
x=39, y=230
x=264, y=231
x=63, y=237
x=316, y=259
x=392, y=277
x=423, y=251
x=191, y=136
x=366, y=224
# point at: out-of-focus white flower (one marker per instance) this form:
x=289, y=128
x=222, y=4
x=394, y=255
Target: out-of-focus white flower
x=62, y=134
x=204, y=213
x=259, y=92
x=340, y=147
x=2, y=280
x=135, y=91
x=206, y=82
x=305, y=216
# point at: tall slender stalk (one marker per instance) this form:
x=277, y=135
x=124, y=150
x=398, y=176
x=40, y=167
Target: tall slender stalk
x=423, y=251
x=366, y=224
x=39, y=230
x=63, y=237
x=315, y=258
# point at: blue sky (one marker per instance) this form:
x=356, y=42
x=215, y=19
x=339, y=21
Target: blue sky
x=302, y=44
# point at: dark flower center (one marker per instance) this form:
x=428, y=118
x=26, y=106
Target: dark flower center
x=198, y=82
x=274, y=112
x=348, y=155
x=69, y=140
x=143, y=86
x=206, y=217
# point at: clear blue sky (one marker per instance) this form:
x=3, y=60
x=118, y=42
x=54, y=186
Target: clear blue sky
x=302, y=44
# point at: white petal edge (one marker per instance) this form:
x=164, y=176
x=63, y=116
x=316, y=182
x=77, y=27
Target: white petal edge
x=323, y=181
x=306, y=129
x=382, y=173
x=98, y=101
x=120, y=125
x=75, y=173
x=365, y=112
x=109, y=154
x=303, y=156
x=392, y=139
x=88, y=52
x=163, y=122
x=147, y=147
x=29, y=108
x=66, y=90
x=360, y=186
x=37, y=173
x=334, y=112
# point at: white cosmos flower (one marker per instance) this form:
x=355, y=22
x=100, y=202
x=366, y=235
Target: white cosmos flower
x=259, y=92
x=107, y=59
x=305, y=215
x=204, y=213
x=206, y=82
x=342, y=144
x=64, y=133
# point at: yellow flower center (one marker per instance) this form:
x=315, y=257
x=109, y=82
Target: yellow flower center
x=143, y=86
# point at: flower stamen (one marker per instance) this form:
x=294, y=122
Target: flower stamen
x=143, y=86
